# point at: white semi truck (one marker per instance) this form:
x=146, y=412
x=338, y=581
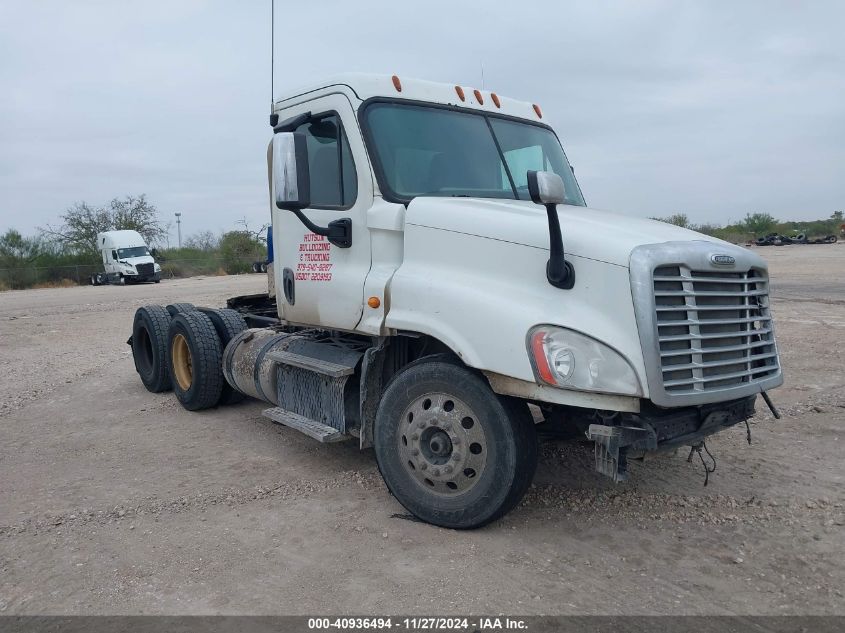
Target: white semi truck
x=126, y=258
x=436, y=272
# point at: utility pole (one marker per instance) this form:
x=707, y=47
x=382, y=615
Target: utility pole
x=179, y=227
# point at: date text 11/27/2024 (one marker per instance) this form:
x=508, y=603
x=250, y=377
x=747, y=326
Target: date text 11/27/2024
x=419, y=624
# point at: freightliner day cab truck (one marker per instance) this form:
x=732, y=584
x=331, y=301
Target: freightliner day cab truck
x=436, y=271
x=126, y=258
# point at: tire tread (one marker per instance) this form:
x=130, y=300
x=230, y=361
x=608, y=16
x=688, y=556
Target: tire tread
x=206, y=360
x=228, y=323
x=511, y=414
x=156, y=320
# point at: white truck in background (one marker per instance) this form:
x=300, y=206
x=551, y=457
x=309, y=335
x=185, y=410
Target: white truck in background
x=424, y=300
x=126, y=258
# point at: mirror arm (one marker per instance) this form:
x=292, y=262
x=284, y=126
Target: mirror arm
x=338, y=232
x=559, y=272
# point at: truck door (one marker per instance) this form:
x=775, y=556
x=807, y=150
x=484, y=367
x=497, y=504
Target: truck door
x=318, y=283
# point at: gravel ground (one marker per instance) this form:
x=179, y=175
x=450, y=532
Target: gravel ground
x=117, y=501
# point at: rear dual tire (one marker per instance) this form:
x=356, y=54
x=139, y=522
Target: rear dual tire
x=176, y=308
x=194, y=357
x=228, y=324
x=180, y=347
x=149, y=347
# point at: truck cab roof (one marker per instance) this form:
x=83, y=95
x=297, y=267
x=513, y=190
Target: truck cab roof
x=364, y=86
x=122, y=239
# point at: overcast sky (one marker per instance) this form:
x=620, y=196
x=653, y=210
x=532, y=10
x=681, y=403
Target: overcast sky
x=712, y=108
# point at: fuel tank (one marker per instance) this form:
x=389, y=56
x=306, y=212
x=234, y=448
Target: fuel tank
x=246, y=366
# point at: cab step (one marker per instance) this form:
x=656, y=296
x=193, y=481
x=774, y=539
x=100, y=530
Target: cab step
x=312, y=428
x=317, y=365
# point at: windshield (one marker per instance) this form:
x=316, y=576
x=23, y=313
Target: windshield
x=430, y=151
x=135, y=251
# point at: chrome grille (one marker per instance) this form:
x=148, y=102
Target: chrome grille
x=145, y=269
x=714, y=329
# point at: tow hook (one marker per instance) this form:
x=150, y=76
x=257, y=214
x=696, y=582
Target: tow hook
x=612, y=444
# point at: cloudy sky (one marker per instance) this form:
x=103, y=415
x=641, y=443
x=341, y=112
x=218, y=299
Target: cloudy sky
x=712, y=108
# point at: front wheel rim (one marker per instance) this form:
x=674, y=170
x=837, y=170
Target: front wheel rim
x=442, y=444
x=182, y=361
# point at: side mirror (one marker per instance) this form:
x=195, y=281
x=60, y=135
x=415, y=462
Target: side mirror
x=154, y=252
x=291, y=178
x=292, y=182
x=546, y=188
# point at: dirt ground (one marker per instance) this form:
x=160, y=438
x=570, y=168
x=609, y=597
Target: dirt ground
x=114, y=500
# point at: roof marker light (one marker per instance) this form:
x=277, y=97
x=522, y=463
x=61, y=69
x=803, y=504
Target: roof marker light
x=538, y=111
x=495, y=99
x=397, y=84
x=478, y=97
x=460, y=92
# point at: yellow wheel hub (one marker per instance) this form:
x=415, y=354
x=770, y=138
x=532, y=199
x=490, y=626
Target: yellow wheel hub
x=181, y=355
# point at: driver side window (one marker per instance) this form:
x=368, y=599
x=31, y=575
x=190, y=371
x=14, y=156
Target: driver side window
x=334, y=182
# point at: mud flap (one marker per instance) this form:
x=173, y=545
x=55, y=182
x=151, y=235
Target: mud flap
x=612, y=444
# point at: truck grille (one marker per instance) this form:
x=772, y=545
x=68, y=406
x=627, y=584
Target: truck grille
x=145, y=269
x=714, y=329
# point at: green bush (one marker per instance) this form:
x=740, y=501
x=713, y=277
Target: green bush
x=239, y=249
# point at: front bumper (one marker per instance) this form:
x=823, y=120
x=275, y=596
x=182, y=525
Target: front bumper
x=141, y=277
x=654, y=428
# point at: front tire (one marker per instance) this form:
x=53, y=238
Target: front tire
x=449, y=449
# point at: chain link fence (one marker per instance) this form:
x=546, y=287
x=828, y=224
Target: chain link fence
x=80, y=274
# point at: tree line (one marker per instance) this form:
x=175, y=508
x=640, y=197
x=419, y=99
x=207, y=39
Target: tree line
x=756, y=225
x=57, y=252
x=68, y=249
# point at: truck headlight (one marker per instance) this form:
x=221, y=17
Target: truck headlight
x=157, y=268
x=570, y=360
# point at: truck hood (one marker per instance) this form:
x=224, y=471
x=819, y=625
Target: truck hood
x=590, y=233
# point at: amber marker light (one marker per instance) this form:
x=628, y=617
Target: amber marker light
x=540, y=360
x=538, y=111
x=478, y=97
x=397, y=84
x=460, y=93
x=374, y=302
x=495, y=99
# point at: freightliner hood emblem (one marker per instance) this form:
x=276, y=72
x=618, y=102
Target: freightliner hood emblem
x=723, y=260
